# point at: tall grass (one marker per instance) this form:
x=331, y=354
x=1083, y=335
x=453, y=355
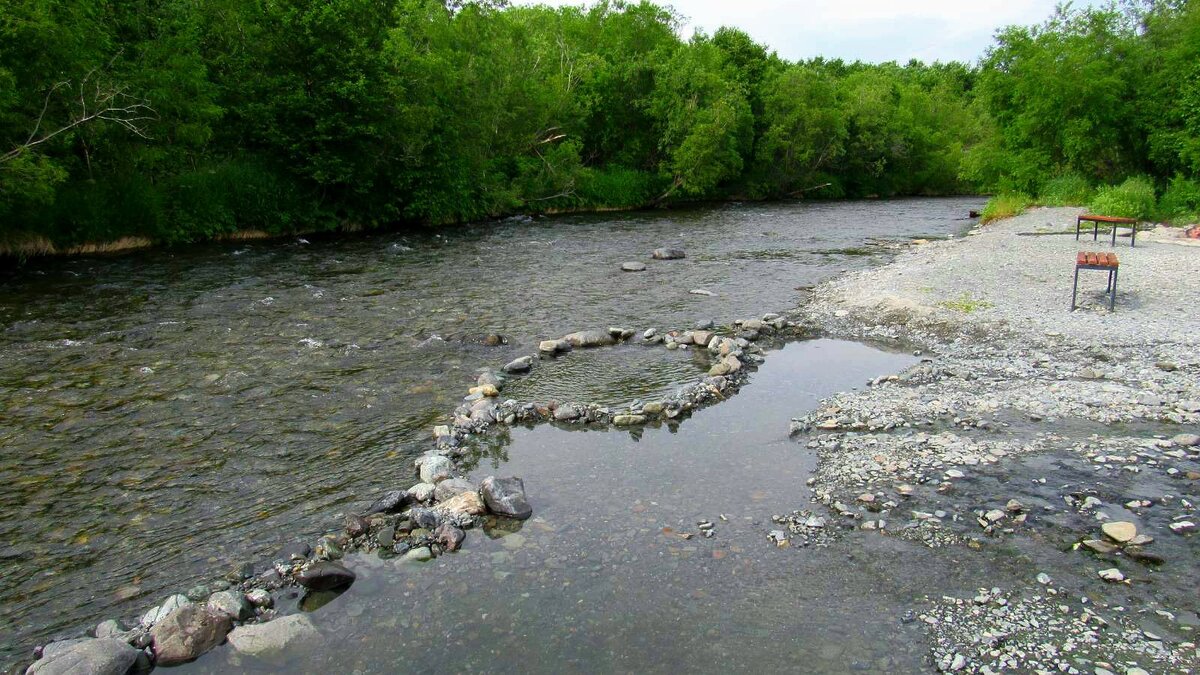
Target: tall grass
x=1006, y=205
x=1180, y=203
x=1067, y=190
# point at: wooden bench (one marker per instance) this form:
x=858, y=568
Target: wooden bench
x=1111, y=220
x=1106, y=262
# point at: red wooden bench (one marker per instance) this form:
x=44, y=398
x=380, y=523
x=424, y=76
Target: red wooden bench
x=1111, y=220
x=1106, y=262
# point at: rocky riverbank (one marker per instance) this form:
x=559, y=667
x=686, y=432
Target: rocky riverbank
x=1026, y=425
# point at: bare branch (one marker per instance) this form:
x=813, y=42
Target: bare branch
x=107, y=102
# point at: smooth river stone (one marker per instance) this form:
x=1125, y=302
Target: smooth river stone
x=187, y=633
x=506, y=497
x=1120, y=531
x=273, y=636
x=103, y=656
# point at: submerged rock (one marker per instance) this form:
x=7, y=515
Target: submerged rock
x=668, y=254
x=449, y=536
x=587, y=339
x=273, y=636
x=521, y=365
x=188, y=632
x=1120, y=531
x=101, y=656
x=325, y=576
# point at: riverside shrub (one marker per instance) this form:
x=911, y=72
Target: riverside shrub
x=1132, y=199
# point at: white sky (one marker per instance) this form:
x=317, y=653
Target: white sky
x=865, y=30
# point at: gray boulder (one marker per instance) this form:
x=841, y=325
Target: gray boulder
x=451, y=488
x=506, y=497
x=272, y=637
x=325, y=576
x=521, y=365
x=232, y=604
x=102, y=656
x=449, y=536
x=169, y=605
x=186, y=633
x=436, y=468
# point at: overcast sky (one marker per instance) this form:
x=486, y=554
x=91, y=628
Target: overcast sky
x=866, y=30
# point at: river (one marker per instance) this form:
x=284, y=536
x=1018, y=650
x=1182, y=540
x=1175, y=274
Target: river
x=169, y=414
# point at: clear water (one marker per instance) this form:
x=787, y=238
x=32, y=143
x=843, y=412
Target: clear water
x=168, y=414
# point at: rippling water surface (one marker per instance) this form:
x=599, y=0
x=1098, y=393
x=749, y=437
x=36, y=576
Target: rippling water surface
x=167, y=414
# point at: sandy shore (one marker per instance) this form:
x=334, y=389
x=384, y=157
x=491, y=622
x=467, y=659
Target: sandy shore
x=1031, y=426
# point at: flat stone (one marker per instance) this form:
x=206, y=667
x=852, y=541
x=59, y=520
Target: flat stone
x=1186, y=440
x=325, y=576
x=587, y=339
x=668, y=254
x=701, y=291
x=101, y=656
x=462, y=504
x=272, y=637
x=436, y=468
x=1112, y=574
x=506, y=497
x=418, y=554
x=1100, y=546
x=554, y=346
x=629, y=420
x=633, y=267
x=1119, y=531
x=187, y=633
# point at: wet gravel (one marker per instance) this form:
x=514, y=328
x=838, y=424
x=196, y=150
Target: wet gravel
x=1025, y=429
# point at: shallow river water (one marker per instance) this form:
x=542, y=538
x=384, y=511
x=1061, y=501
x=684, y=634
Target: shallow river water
x=166, y=415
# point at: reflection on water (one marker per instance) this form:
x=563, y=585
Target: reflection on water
x=167, y=414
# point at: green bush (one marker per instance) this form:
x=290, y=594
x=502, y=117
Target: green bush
x=1067, y=190
x=1180, y=204
x=1132, y=199
x=1006, y=205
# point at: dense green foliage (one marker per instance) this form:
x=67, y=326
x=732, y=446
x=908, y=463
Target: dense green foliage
x=180, y=120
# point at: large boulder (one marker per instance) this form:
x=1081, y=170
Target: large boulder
x=590, y=338
x=325, y=576
x=102, y=656
x=187, y=633
x=506, y=497
x=272, y=637
x=668, y=254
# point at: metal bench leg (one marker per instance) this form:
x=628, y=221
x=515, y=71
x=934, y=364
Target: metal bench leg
x=1075, y=289
x=1078, y=222
x=1112, y=299
x=1095, y=231
x=1114, y=235
x=1133, y=235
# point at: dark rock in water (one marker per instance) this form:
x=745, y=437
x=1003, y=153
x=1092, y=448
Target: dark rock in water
x=506, y=497
x=356, y=526
x=187, y=633
x=391, y=502
x=705, y=324
x=488, y=377
x=451, y=488
x=449, y=536
x=299, y=550
x=633, y=267
x=324, y=576
x=521, y=365
x=494, y=340
x=424, y=518
x=590, y=338
x=668, y=254
x=102, y=656
x=314, y=600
